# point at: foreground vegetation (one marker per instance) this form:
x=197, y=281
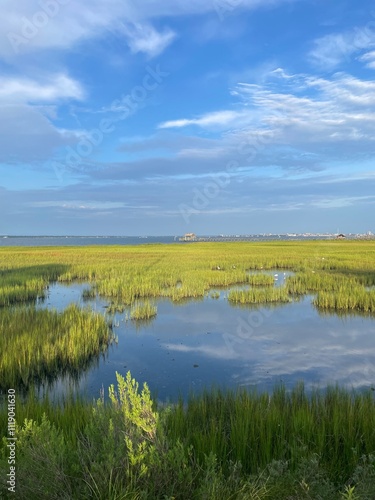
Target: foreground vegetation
x=229, y=445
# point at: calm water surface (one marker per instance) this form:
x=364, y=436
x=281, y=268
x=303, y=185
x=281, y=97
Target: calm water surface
x=197, y=344
x=34, y=241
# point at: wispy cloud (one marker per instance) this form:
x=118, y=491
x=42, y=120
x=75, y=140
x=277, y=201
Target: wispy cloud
x=144, y=38
x=369, y=59
x=305, y=109
x=214, y=119
x=71, y=22
x=330, y=51
x=54, y=87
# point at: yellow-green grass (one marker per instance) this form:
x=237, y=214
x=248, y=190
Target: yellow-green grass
x=335, y=428
x=25, y=283
x=260, y=279
x=305, y=282
x=39, y=345
x=143, y=310
x=126, y=274
x=352, y=299
x=259, y=296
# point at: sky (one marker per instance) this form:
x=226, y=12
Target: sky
x=162, y=117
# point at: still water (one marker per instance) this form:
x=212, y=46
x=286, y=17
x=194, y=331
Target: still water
x=197, y=344
x=36, y=241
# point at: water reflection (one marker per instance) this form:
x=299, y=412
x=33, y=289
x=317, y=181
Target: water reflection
x=196, y=344
x=279, y=276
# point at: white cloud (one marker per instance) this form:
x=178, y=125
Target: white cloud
x=217, y=118
x=304, y=110
x=27, y=26
x=311, y=110
x=26, y=90
x=332, y=50
x=369, y=59
x=144, y=38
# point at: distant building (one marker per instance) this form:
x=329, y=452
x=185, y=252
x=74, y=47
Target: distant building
x=189, y=237
x=341, y=236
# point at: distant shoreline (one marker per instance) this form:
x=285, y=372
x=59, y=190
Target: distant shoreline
x=54, y=241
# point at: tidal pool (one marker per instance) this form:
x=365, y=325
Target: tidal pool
x=196, y=344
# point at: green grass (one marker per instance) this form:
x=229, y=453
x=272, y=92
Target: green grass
x=220, y=444
x=39, y=345
x=260, y=279
x=256, y=296
x=132, y=278
x=125, y=275
x=305, y=282
x=335, y=272
x=355, y=299
x=336, y=425
x=20, y=282
x=144, y=310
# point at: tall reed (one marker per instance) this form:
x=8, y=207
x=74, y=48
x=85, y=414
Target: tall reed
x=337, y=425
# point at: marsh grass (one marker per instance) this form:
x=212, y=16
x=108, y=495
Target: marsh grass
x=260, y=279
x=69, y=413
x=336, y=425
x=220, y=444
x=336, y=292
x=132, y=278
x=89, y=293
x=37, y=345
x=115, y=307
x=128, y=274
x=26, y=283
x=357, y=299
x=142, y=311
x=306, y=282
x=259, y=296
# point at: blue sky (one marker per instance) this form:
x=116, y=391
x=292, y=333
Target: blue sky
x=165, y=117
